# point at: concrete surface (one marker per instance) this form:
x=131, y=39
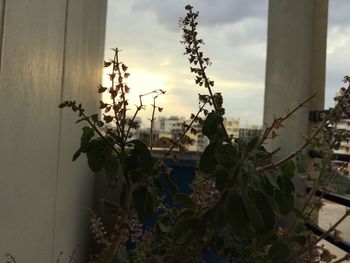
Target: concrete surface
x=50, y=50
x=295, y=67
x=328, y=216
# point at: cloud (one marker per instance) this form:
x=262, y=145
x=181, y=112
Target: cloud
x=212, y=13
x=235, y=33
x=338, y=12
x=235, y=37
x=338, y=52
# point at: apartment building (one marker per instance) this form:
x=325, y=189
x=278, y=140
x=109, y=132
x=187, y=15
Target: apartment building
x=342, y=155
x=232, y=126
x=250, y=132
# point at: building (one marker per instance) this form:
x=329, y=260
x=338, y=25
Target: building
x=344, y=148
x=167, y=129
x=342, y=155
x=171, y=124
x=250, y=132
x=232, y=126
x=171, y=127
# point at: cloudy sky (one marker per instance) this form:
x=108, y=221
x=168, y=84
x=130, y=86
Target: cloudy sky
x=234, y=32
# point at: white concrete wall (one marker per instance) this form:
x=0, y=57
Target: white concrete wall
x=295, y=66
x=50, y=50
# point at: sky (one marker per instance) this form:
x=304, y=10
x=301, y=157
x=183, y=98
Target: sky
x=235, y=35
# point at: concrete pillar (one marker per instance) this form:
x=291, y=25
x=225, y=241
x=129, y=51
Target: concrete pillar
x=295, y=69
x=50, y=50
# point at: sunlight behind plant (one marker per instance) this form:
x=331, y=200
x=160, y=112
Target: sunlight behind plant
x=140, y=81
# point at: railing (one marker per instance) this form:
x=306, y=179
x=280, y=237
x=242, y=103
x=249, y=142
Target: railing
x=344, y=245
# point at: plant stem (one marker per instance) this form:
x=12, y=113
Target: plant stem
x=180, y=138
x=204, y=75
x=132, y=121
x=113, y=251
x=152, y=122
x=282, y=119
x=114, y=63
x=181, y=248
x=346, y=257
x=100, y=134
x=12, y=258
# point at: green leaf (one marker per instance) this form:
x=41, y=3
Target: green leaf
x=211, y=124
x=285, y=196
x=76, y=154
x=265, y=240
x=96, y=152
x=253, y=214
x=122, y=256
x=262, y=203
x=235, y=214
x=111, y=169
x=272, y=180
x=279, y=252
x=102, y=257
x=299, y=228
x=336, y=146
x=144, y=156
x=252, y=143
x=220, y=218
x=133, y=166
x=94, y=118
x=88, y=133
x=285, y=202
x=300, y=239
x=182, y=225
x=157, y=186
x=251, y=177
x=207, y=162
x=143, y=203
x=221, y=174
x=140, y=162
x=288, y=169
x=170, y=183
x=185, y=201
x=163, y=228
x=115, y=138
x=198, y=227
x=226, y=155
x=261, y=153
x=209, y=214
x=301, y=161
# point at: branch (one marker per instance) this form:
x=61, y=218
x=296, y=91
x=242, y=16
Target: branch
x=138, y=108
x=202, y=68
x=346, y=257
x=152, y=123
x=113, y=250
x=180, y=138
x=330, y=230
x=11, y=257
x=181, y=248
x=115, y=62
x=279, y=121
x=99, y=133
